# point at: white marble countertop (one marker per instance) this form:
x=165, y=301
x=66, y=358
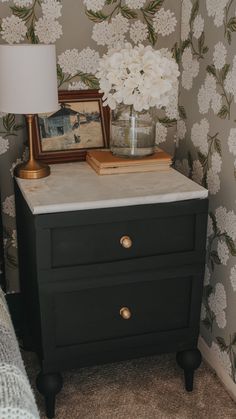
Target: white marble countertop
x=75, y=186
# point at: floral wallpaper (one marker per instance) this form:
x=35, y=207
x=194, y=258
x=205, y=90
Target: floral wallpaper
x=199, y=126
x=207, y=154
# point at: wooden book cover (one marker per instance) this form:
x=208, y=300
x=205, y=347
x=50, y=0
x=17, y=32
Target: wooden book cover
x=105, y=159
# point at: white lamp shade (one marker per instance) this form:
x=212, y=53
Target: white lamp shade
x=28, y=79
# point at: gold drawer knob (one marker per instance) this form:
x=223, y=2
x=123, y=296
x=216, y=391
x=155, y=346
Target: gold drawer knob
x=126, y=242
x=125, y=313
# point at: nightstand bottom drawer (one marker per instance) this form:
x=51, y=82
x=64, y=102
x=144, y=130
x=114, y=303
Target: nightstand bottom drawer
x=135, y=306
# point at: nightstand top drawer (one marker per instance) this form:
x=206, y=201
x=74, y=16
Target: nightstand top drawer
x=75, y=186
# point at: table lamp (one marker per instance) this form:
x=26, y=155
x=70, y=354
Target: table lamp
x=28, y=86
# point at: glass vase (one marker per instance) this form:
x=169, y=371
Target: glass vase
x=132, y=132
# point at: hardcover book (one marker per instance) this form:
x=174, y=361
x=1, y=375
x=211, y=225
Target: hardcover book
x=105, y=163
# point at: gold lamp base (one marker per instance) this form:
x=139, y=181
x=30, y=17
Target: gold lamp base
x=32, y=169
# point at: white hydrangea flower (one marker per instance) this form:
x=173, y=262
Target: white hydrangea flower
x=14, y=239
x=51, y=9
x=22, y=3
x=233, y=277
x=207, y=276
x=88, y=60
x=77, y=85
x=208, y=96
x=216, y=162
x=219, y=56
x=8, y=206
x=218, y=303
x=135, y=4
x=171, y=109
x=230, y=81
x=112, y=33
x=215, y=8
x=164, y=22
x=138, y=32
x=183, y=167
x=181, y=129
x=94, y=5
x=4, y=145
x=199, y=135
x=190, y=68
x=197, y=174
x=213, y=182
x=13, y=29
x=221, y=216
x=18, y=161
x=186, y=14
x=222, y=356
x=203, y=312
x=223, y=252
x=198, y=26
x=48, y=30
x=232, y=141
x=161, y=133
x=69, y=61
x=139, y=76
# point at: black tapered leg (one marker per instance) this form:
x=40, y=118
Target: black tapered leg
x=189, y=360
x=49, y=385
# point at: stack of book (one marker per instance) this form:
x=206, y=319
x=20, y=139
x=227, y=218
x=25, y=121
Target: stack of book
x=105, y=163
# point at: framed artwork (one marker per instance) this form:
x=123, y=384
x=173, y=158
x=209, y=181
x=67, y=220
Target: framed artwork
x=81, y=123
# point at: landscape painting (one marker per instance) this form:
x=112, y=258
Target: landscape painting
x=75, y=125
x=80, y=123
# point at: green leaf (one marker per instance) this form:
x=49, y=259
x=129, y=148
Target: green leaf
x=153, y=6
x=89, y=79
x=21, y=12
x=221, y=343
x=211, y=70
x=190, y=161
x=217, y=146
x=128, y=13
x=213, y=218
x=176, y=53
x=152, y=36
x=110, y=1
x=205, y=50
x=207, y=291
x=225, y=71
x=195, y=10
x=185, y=44
x=231, y=245
x=96, y=17
x=232, y=24
x=182, y=112
x=215, y=257
x=229, y=37
x=202, y=158
x=223, y=112
x=207, y=323
x=201, y=42
x=167, y=122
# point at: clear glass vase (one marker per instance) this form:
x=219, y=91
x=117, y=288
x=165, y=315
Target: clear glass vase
x=132, y=132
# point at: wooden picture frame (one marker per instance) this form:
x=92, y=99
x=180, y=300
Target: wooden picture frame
x=81, y=123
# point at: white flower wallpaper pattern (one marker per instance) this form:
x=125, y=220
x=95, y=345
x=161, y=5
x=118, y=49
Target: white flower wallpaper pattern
x=208, y=155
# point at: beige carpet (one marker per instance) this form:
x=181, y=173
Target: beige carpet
x=147, y=388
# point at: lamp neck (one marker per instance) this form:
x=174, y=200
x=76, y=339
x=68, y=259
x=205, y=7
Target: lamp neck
x=30, y=120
